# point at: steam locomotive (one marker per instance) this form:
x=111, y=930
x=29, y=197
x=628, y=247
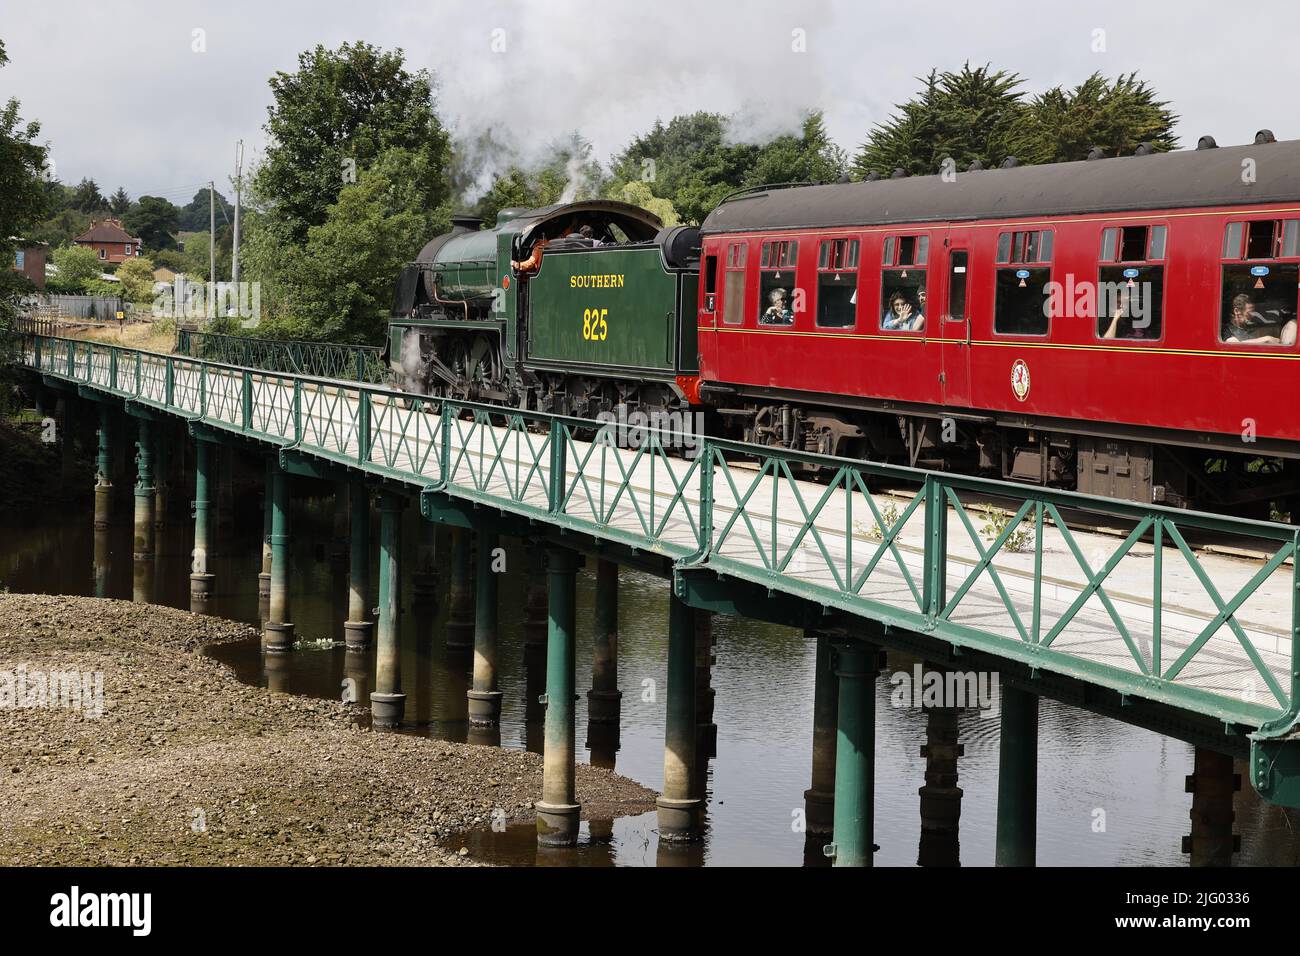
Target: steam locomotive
x=1123, y=326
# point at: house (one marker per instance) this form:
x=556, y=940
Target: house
x=30, y=258
x=110, y=241
x=164, y=275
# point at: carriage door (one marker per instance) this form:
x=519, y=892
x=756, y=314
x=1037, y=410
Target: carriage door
x=955, y=318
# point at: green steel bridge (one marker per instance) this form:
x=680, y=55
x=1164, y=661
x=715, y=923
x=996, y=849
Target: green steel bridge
x=1137, y=626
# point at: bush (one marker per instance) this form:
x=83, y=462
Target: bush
x=136, y=276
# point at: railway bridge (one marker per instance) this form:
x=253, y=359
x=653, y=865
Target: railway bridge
x=1138, y=625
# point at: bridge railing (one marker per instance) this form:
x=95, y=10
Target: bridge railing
x=360, y=363
x=1138, y=612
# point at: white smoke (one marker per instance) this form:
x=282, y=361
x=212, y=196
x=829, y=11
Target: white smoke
x=410, y=364
x=575, y=178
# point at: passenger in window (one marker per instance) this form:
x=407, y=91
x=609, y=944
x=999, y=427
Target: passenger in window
x=778, y=313
x=1287, y=336
x=1122, y=323
x=1247, y=326
x=901, y=316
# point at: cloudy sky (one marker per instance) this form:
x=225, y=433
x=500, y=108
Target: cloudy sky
x=124, y=94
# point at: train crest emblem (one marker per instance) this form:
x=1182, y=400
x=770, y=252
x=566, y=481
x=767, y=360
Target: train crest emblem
x=1020, y=380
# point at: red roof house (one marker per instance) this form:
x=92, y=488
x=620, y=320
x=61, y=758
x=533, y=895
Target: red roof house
x=110, y=241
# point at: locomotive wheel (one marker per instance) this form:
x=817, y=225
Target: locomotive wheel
x=483, y=365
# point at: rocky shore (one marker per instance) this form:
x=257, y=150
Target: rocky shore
x=145, y=752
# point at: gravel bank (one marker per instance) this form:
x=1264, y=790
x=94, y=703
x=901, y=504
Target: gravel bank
x=186, y=765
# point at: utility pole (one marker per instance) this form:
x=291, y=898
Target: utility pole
x=239, y=181
x=212, y=236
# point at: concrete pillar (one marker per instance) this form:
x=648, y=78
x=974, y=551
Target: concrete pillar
x=202, y=580
x=819, y=798
x=358, y=627
x=387, y=702
x=264, y=576
x=103, y=469
x=277, y=632
x=142, y=550
x=1017, y=831
x=460, y=616
x=681, y=806
x=940, y=796
x=103, y=551
x=557, y=811
x=1211, y=784
x=855, y=756
x=604, y=700
x=535, y=597
x=484, y=698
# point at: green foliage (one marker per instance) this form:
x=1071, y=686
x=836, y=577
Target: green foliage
x=338, y=285
x=639, y=194
x=77, y=266
x=968, y=115
x=88, y=199
x=692, y=163
x=995, y=520
x=136, y=277
x=119, y=202
x=981, y=114
x=338, y=113
x=889, y=516
x=1063, y=125
x=566, y=174
x=22, y=164
x=197, y=214
x=153, y=220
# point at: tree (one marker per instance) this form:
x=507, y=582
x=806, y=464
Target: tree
x=567, y=173
x=119, y=202
x=76, y=265
x=808, y=157
x=333, y=118
x=23, y=196
x=639, y=194
x=973, y=114
x=1063, y=125
x=153, y=220
x=87, y=197
x=338, y=286
x=136, y=277
x=196, y=215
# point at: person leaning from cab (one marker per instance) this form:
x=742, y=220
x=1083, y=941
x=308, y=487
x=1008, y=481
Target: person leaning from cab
x=1248, y=326
x=778, y=313
x=902, y=316
x=534, y=260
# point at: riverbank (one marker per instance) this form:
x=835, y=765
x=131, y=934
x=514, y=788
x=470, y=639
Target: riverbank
x=185, y=765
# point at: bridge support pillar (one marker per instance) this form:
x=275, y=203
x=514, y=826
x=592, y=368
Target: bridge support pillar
x=277, y=633
x=358, y=627
x=819, y=798
x=604, y=700
x=1017, y=829
x=202, y=580
x=1211, y=784
x=557, y=811
x=940, y=797
x=387, y=702
x=681, y=806
x=103, y=468
x=143, y=551
x=484, y=698
x=264, y=576
x=424, y=582
x=706, y=731
x=535, y=598
x=855, y=756
x=460, y=617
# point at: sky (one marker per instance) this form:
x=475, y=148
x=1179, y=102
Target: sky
x=152, y=96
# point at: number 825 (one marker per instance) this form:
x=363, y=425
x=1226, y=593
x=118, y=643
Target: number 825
x=594, y=326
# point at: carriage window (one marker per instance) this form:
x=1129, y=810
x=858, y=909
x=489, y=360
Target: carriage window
x=1021, y=291
x=1259, y=304
x=777, y=299
x=902, y=284
x=1131, y=283
x=733, y=290
x=957, y=285
x=837, y=283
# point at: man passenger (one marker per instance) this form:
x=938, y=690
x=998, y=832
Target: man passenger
x=1249, y=327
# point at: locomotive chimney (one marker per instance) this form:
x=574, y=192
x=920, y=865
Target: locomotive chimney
x=464, y=222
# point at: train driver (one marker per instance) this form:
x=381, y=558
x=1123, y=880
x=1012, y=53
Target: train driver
x=778, y=313
x=534, y=260
x=901, y=316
